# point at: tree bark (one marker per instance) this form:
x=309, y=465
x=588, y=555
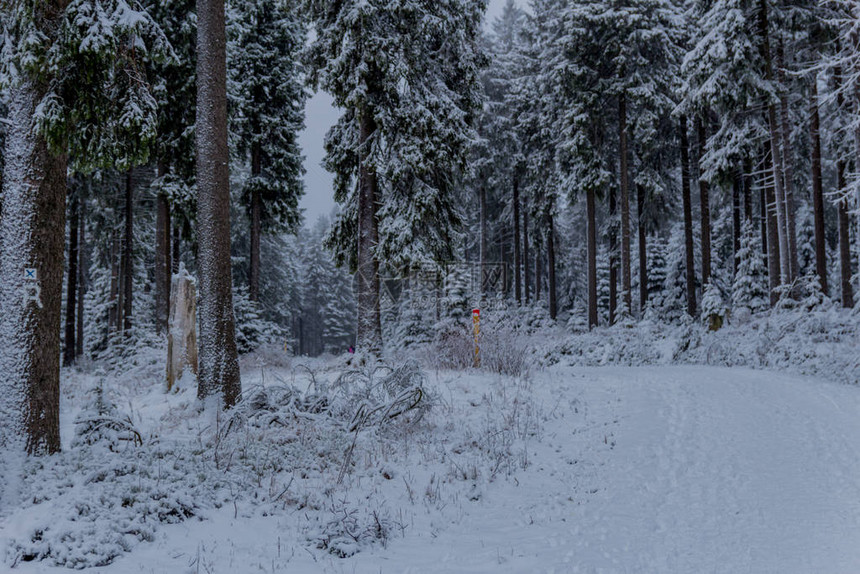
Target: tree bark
x=688, y=219
x=113, y=297
x=613, y=257
x=128, y=255
x=526, y=261
x=625, y=204
x=736, y=221
x=591, y=247
x=538, y=270
x=31, y=236
x=844, y=239
x=256, y=171
x=787, y=163
x=162, y=260
x=369, y=335
x=817, y=188
x=748, y=185
x=83, y=260
x=704, y=202
x=774, y=254
x=643, y=249
x=518, y=290
x=550, y=256
x=174, y=247
x=72, y=279
x=482, y=199
x=219, y=364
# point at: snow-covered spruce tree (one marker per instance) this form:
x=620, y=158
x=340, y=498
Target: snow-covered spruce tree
x=267, y=98
x=76, y=98
x=749, y=291
x=405, y=74
x=713, y=309
x=219, y=362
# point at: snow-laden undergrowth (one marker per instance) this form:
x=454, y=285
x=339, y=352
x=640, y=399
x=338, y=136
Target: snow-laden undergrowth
x=325, y=444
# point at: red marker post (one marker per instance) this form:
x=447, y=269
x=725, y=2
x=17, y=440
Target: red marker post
x=476, y=326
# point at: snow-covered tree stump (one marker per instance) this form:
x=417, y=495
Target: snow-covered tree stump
x=182, y=327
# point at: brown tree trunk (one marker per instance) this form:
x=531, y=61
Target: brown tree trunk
x=162, y=258
x=174, y=247
x=774, y=254
x=736, y=221
x=219, y=363
x=256, y=171
x=369, y=335
x=128, y=255
x=526, y=261
x=83, y=261
x=817, y=187
x=748, y=186
x=550, y=256
x=482, y=199
x=538, y=270
x=31, y=237
x=643, y=249
x=518, y=289
x=72, y=280
x=113, y=297
x=591, y=247
x=787, y=167
x=844, y=239
x=626, y=290
x=613, y=258
x=688, y=219
x=704, y=202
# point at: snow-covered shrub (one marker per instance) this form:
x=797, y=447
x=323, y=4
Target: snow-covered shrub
x=713, y=309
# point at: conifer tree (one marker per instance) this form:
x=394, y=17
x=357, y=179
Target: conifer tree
x=749, y=290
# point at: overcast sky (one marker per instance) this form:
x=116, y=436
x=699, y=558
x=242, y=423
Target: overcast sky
x=320, y=115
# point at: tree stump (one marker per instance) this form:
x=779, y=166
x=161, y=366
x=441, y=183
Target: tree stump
x=182, y=327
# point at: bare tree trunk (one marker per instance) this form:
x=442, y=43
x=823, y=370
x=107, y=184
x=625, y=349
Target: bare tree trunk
x=369, y=337
x=774, y=254
x=162, y=259
x=482, y=198
x=518, y=290
x=776, y=157
x=128, y=255
x=736, y=221
x=31, y=237
x=787, y=168
x=748, y=185
x=256, y=171
x=550, y=255
x=704, y=202
x=83, y=260
x=113, y=297
x=643, y=249
x=527, y=278
x=219, y=363
x=613, y=258
x=538, y=270
x=844, y=239
x=817, y=187
x=591, y=247
x=688, y=219
x=72, y=279
x=174, y=246
x=625, y=204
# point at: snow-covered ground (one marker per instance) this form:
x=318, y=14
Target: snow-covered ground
x=571, y=469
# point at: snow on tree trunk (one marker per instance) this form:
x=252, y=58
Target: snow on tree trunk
x=625, y=204
x=817, y=187
x=787, y=167
x=688, y=219
x=162, y=260
x=219, y=363
x=254, y=272
x=128, y=255
x=704, y=201
x=518, y=290
x=550, y=252
x=182, y=327
x=643, y=249
x=613, y=256
x=591, y=242
x=844, y=239
x=31, y=237
x=369, y=332
x=72, y=279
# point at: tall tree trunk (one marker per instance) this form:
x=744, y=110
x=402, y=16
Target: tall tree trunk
x=162, y=259
x=482, y=198
x=369, y=336
x=72, y=278
x=748, y=187
x=817, y=187
x=844, y=238
x=704, y=202
x=83, y=261
x=128, y=255
x=174, y=247
x=538, y=269
x=736, y=221
x=613, y=257
x=219, y=362
x=31, y=237
x=787, y=166
x=550, y=257
x=256, y=171
x=643, y=249
x=526, y=262
x=114, y=293
x=776, y=155
x=518, y=289
x=625, y=204
x=774, y=251
x=688, y=219
x=591, y=247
